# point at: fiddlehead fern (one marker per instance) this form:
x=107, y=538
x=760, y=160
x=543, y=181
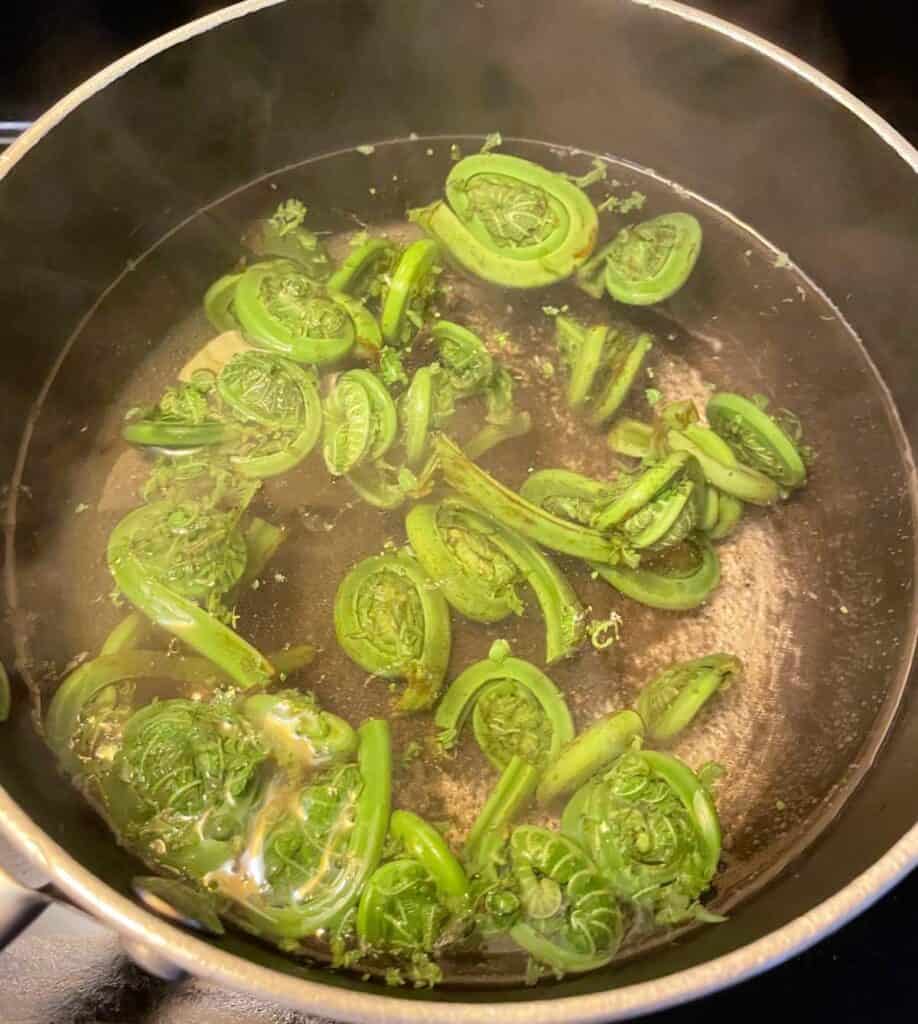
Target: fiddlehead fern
x=363, y=273
x=182, y=419
x=478, y=564
x=570, y=495
x=182, y=783
x=422, y=842
x=310, y=849
x=410, y=292
x=651, y=828
x=516, y=710
x=427, y=404
x=280, y=308
x=678, y=578
x=260, y=416
x=466, y=362
x=87, y=713
x=602, y=364
x=361, y=421
x=471, y=371
x=511, y=222
x=570, y=918
x=478, y=579
x=729, y=482
x=511, y=510
x=672, y=699
x=759, y=439
x=76, y=725
x=169, y=556
x=384, y=486
x=408, y=903
x=277, y=403
x=220, y=303
x=297, y=731
x=401, y=910
x=283, y=236
x=645, y=263
x=489, y=832
x=661, y=507
x=391, y=620
x=599, y=745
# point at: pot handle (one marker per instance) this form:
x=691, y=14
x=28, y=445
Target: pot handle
x=19, y=907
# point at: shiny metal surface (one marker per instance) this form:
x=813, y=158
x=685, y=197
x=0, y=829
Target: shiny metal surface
x=225, y=968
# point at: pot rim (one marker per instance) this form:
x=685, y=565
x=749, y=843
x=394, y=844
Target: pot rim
x=148, y=933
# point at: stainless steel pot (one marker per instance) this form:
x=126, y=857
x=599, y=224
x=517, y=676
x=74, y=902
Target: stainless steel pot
x=138, y=150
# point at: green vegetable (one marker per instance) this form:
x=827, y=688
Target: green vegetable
x=407, y=905
x=427, y=404
x=401, y=910
x=602, y=364
x=672, y=699
x=361, y=421
x=381, y=485
x=409, y=293
x=516, y=711
x=282, y=236
x=182, y=783
x=392, y=369
x=631, y=437
x=570, y=918
x=511, y=222
x=508, y=799
x=295, y=729
x=262, y=414
x=423, y=843
x=509, y=509
x=645, y=263
x=278, y=404
x=493, y=434
x=74, y=698
x=128, y=635
x=363, y=272
x=262, y=540
x=455, y=545
x=729, y=482
x=653, y=511
x=676, y=579
x=219, y=303
x=759, y=440
x=595, y=748
x=391, y=620
x=282, y=309
x=661, y=507
x=651, y=828
x=720, y=465
x=310, y=850
x=183, y=418
x=569, y=495
x=478, y=564
x=167, y=556
x=468, y=364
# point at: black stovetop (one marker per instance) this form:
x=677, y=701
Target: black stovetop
x=67, y=970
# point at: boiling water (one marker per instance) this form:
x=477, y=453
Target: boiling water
x=794, y=735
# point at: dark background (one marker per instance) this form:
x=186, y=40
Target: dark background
x=867, y=971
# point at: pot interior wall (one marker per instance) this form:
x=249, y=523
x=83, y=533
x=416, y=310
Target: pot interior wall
x=142, y=171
